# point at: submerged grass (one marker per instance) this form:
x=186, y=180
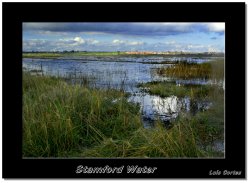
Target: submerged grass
x=62, y=120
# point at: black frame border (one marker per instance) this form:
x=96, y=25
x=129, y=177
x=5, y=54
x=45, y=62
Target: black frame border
x=233, y=14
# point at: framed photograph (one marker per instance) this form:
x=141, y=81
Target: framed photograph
x=124, y=90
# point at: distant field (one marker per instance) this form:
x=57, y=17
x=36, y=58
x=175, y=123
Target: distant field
x=67, y=54
x=75, y=54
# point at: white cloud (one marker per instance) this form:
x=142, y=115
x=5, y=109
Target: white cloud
x=117, y=41
x=94, y=42
x=79, y=40
x=135, y=43
x=80, y=43
x=216, y=27
x=52, y=33
x=191, y=46
x=95, y=45
x=170, y=42
x=130, y=43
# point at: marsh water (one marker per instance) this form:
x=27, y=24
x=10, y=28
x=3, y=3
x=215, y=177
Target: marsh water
x=125, y=73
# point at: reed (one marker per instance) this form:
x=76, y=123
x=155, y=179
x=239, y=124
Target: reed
x=58, y=117
x=63, y=120
x=186, y=70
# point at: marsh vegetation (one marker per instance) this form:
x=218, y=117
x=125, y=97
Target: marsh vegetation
x=191, y=70
x=99, y=109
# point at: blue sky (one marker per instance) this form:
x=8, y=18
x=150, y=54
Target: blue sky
x=190, y=37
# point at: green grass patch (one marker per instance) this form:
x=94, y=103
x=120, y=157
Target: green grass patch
x=166, y=89
x=187, y=70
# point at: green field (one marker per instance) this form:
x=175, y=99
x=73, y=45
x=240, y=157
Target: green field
x=49, y=55
x=68, y=54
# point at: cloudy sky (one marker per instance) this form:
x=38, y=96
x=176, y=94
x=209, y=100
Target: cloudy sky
x=193, y=37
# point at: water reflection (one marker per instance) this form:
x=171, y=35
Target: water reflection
x=166, y=109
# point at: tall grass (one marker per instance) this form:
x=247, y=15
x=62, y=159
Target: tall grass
x=158, y=142
x=58, y=118
x=186, y=70
x=218, y=69
x=62, y=120
x=189, y=137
